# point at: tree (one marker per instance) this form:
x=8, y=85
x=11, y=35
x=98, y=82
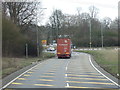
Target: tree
x=56, y=21
x=21, y=13
x=11, y=37
x=93, y=11
x=107, y=22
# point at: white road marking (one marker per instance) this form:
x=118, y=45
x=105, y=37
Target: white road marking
x=67, y=85
x=66, y=75
x=18, y=77
x=66, y=68
x=102, y=73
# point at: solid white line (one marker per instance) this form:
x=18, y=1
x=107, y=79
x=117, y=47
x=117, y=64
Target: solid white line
x=17, y=77
x=102, y=73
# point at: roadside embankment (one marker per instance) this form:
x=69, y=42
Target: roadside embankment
x=10, y=65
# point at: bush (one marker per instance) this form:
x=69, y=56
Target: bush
x=13, y=41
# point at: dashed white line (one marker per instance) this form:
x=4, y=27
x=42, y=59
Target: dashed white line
x=67, y=85
x=66, y=75
x=102, y=73
x=66, y=68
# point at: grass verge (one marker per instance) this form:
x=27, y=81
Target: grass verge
x=10, y=65
x=107, y=59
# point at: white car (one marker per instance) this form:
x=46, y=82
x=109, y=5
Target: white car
x=51, y=49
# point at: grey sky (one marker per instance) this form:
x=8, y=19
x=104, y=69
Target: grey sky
x=107, y=8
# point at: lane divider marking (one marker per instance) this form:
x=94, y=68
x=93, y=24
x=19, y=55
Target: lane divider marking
x=90, y=82
x=65, y=75
x=102, y=73
x=67, y=85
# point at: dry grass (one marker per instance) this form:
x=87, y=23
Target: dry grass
x=10, y=65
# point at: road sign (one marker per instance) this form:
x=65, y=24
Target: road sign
x=44, y=42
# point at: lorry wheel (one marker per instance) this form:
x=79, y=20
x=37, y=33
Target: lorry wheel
x=59, y=57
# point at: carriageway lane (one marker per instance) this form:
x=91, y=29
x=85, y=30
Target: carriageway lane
x=75, y=72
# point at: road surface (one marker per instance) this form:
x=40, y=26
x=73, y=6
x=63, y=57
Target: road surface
x=76, y=72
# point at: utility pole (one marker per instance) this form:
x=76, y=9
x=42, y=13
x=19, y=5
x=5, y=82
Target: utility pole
x=90, y=33
x=102, y=35
x=37, y=34
x=26, y=50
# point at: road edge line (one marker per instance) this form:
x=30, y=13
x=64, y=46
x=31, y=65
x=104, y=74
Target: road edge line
x=18, y=77
x=102, y=73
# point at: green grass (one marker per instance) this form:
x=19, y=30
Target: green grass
x=107, y=59
x=10, y=65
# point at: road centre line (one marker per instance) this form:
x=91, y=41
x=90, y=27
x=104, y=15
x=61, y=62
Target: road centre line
x=102, y=73
x=67, y=85
x=66, y=73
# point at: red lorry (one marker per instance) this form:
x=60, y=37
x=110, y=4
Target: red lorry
x=63, y=47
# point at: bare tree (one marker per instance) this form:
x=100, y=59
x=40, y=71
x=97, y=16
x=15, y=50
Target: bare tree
x=56, y=21
x=21, y=13
x=93, y=11
x=107, y=22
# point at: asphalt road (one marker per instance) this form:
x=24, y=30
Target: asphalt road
x=76, y=72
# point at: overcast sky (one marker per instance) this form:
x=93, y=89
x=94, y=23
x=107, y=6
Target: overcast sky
x=107, y=8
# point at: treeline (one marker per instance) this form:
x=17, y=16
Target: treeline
x=81, y=25
x=19, y=29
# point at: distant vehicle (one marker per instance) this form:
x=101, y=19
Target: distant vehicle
x=64, y=47
x=51, y=49
x=73, y=46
